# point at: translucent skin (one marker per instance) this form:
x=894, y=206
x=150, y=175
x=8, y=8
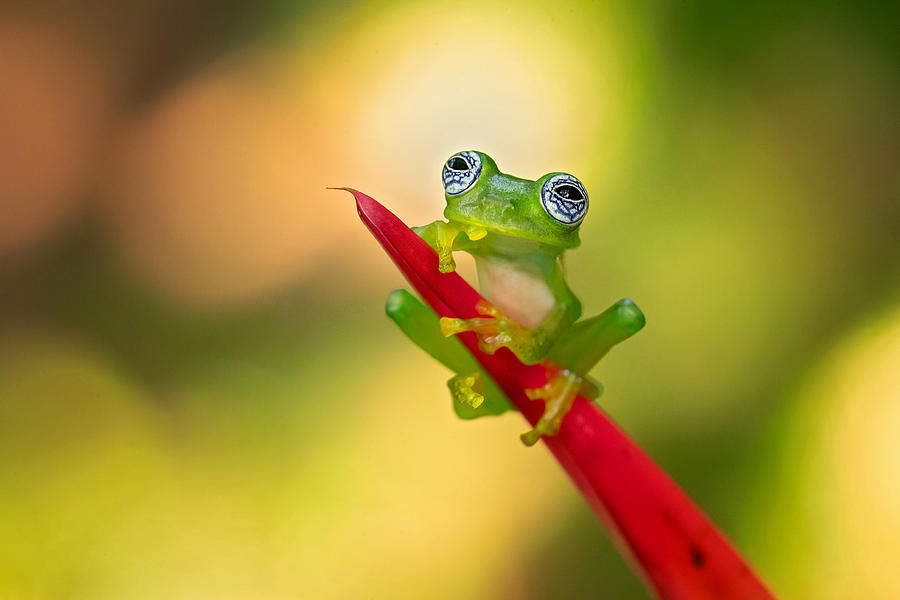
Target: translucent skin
x=518, y=245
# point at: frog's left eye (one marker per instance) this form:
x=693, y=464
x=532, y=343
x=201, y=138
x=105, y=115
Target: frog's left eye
x=565, y=199
x=461, y=171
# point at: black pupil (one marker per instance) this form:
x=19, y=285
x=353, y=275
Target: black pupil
x=457, y=163
x=569, y=192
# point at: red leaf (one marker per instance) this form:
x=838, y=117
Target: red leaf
x=669, y=541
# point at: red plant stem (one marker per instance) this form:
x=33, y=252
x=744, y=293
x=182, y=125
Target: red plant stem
x=677, y=550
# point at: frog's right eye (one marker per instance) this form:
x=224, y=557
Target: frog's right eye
x=461, y=171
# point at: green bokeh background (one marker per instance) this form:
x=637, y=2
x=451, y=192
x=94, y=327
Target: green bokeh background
x=200, y=396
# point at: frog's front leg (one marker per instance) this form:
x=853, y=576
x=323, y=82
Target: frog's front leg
x=441, y=236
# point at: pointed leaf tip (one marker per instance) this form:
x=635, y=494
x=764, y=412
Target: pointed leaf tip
x=366, y=205
x=356, y=193
x=667, y=537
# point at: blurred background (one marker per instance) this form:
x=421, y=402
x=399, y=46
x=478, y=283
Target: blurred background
x=200, y=396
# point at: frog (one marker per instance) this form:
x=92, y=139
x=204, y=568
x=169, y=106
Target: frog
x=517, y=231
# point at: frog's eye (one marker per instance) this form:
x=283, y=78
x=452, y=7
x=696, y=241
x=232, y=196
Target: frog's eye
x=461, y=171
x=565, y=199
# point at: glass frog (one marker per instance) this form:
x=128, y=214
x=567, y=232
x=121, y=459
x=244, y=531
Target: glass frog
x=517, y=230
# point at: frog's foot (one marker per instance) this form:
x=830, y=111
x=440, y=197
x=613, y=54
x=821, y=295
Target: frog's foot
x=466, y=389
x=558, y=393
x=494, y=330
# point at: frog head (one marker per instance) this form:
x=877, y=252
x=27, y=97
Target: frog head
x=548, y=210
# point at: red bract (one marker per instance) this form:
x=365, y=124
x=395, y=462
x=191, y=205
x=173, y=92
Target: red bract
x=669, y=541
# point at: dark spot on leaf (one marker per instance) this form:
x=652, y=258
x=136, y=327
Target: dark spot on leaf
x=697, y=557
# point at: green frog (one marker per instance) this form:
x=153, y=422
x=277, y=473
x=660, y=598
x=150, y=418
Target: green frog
x=517, y=230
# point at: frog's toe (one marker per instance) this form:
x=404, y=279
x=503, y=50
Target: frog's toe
x=629, y=316
x=451, y=326
x=546, y=426
x=483, y=326
x=466, y=389
x=549, y=426
x=530, y=438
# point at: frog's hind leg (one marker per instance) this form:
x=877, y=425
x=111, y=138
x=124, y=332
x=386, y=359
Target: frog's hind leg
x=474, y=393
x=419, y=323
x=582, y=346
x=577, y=351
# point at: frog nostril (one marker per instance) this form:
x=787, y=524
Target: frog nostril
x=458, y=163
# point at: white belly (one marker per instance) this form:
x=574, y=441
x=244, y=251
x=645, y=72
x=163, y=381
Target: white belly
x=520, y=293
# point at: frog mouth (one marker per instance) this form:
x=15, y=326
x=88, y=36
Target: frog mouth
x=516, y=233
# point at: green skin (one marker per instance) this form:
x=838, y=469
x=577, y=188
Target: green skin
x=518, y=249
